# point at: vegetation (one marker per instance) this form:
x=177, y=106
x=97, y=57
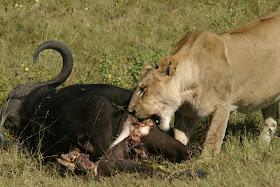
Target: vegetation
x=111, y=40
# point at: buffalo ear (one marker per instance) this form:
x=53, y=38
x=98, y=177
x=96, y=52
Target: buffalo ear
x=167, y=66
x=146, y=69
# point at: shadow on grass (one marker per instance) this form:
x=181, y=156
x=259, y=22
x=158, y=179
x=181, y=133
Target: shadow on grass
x=239, y=125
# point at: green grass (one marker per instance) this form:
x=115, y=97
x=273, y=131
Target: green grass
x=111, y=42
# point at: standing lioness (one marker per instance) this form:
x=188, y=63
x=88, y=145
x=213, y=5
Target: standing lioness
x=215, y=74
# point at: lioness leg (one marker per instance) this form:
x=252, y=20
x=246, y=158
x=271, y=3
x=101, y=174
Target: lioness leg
x=270, y=115
x=184, y=127
x=216, y=132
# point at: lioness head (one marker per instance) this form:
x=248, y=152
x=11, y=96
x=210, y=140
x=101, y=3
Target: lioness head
x=157, y=92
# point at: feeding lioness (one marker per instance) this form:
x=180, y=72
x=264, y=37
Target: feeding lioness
x=210, y=74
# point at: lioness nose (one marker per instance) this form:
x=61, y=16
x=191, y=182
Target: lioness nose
x=130, y=108
x=132, y=112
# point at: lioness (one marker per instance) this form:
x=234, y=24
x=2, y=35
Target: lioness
x=210, y=74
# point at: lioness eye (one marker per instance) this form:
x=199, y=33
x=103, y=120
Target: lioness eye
x=142, y=90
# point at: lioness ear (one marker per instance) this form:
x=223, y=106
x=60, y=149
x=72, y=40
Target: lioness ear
x=146, y=69
x=167, y=65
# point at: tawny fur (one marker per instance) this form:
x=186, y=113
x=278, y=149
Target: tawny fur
x=210, y=74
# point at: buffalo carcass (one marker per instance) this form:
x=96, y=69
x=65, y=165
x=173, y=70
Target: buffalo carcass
x=87, y=118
